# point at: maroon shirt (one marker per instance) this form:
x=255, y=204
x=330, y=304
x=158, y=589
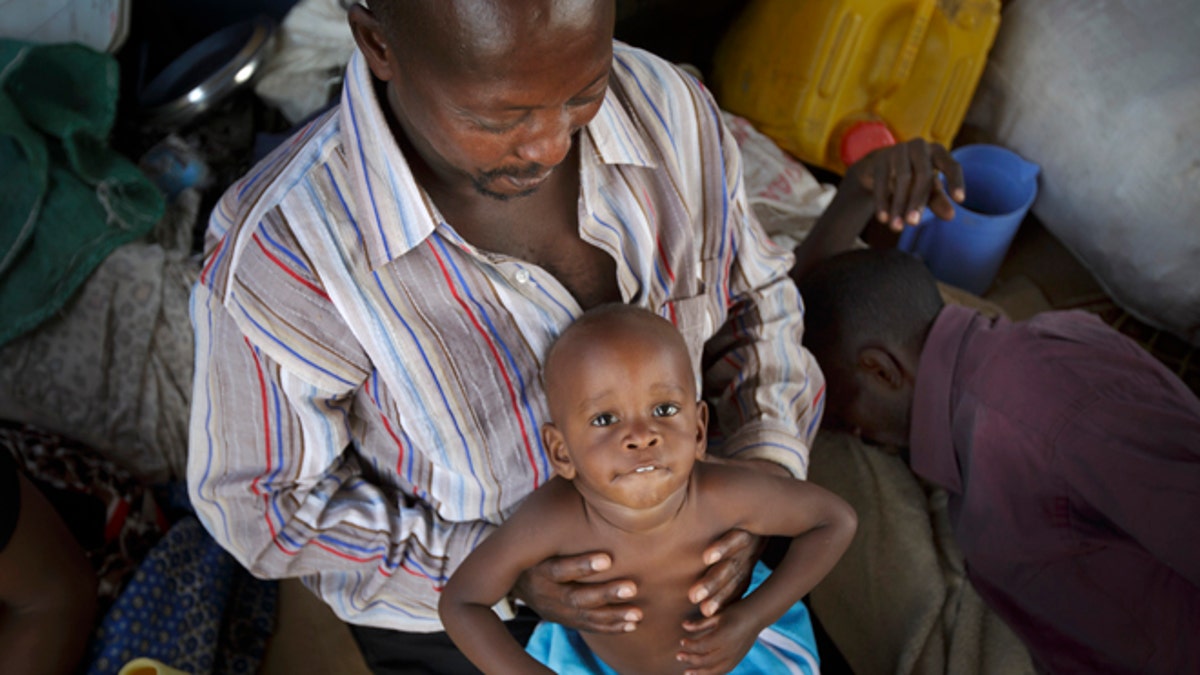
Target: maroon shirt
x=1072, y=461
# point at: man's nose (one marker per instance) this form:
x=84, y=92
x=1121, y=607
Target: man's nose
x=549, y=140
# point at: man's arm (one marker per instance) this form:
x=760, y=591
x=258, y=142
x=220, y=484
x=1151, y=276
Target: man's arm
x=766, y=389
x=274, y=477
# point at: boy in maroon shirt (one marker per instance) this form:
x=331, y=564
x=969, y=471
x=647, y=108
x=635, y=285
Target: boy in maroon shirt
x=1071, y=457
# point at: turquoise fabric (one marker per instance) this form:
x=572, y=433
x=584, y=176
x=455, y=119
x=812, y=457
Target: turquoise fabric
x=787, y=647
x=66, y=198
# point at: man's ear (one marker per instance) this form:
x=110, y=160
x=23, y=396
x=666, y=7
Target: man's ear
x=881, y=367
x=369, y=35
x=701, y=429
x=556, y=447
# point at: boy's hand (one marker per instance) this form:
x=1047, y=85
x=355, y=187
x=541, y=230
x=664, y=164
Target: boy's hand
x=890, y=185
x=902, y=179
x=731, y=562
x=553, y=588
x=717, y=643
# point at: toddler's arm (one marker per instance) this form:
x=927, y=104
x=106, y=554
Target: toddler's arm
x=821, y=524
x=489, y=573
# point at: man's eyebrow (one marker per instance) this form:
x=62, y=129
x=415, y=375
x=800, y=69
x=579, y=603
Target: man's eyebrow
x=602, y=76
x=526, y=108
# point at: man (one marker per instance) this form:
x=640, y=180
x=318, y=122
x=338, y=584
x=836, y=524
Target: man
x=378, y=295
x=1070, y=456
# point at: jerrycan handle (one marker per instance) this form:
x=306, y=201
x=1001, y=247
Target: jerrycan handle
x=912, y=44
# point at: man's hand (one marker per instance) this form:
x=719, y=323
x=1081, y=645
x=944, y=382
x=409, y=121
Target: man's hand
x=903, y=178
x=717, y=644
x=558, y=591
x=731, y=561
x=731, y=558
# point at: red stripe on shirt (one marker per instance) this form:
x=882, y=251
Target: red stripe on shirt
x=512, y=394
x=304, y=282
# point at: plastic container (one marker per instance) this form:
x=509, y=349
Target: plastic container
x=967, y=251
x=830, y=80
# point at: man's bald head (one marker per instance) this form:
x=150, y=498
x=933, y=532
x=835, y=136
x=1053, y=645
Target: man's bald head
x=467, y=35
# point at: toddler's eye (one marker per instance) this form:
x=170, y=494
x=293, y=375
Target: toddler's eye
x=665, y=410
x=604, y=419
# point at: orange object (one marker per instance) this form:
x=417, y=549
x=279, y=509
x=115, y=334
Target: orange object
x=830, y=80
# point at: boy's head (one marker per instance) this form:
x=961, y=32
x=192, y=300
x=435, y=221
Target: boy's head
x=627, y=423
x=867, y=314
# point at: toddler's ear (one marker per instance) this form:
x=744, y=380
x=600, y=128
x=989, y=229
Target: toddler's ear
x=556, y=448
x=701, y=429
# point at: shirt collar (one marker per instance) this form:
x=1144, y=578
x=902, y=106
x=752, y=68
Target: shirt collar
x=394, y=214
x=931, y=445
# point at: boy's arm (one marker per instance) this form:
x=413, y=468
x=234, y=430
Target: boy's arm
x=488, y=574
x=891, y=185
x=821, y=524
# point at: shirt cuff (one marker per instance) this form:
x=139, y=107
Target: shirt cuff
x=771, y=441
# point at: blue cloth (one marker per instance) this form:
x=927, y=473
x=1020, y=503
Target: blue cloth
x=788, y=646
x=191, y=606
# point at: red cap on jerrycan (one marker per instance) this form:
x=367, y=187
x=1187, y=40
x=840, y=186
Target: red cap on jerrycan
x=863, y=137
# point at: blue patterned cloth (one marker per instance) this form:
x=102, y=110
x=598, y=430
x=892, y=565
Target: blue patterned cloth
x=191, y=606
x=788, y=646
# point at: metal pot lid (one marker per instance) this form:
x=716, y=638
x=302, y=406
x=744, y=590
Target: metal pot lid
x=207, y=73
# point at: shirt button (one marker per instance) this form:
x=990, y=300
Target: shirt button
x=522, y=276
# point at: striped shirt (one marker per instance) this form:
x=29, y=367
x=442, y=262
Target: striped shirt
x=367, y=402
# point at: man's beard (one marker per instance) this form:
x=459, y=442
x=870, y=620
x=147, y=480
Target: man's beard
x=482, y=180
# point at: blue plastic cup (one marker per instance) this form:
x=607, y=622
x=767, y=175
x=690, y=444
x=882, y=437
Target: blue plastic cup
x=967, y=251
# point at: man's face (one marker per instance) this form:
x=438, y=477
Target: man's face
x=860, y=406
x=503, y=117
x=626, y=412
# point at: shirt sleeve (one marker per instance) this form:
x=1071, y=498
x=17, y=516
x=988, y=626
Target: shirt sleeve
x=1134, y=456
x=767, y=389
x=274, y=473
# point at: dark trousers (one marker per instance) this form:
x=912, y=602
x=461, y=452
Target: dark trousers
x=389, y=651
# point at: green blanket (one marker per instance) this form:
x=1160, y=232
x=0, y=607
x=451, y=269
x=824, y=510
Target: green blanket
x=66, y=198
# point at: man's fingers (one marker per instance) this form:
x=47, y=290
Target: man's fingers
x=721, y=584
x=589, y=596
x=722, y=570
x=608, y=619
x=575, y=568
x=700, y=625
x=731, y=542
x=709, y=588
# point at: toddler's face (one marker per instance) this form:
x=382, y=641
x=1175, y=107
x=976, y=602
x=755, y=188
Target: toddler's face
x=625, y=409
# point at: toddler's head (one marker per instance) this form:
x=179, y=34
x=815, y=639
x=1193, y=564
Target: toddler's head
x=627, y=425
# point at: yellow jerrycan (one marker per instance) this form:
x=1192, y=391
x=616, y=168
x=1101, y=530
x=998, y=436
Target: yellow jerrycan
x=831, y=80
